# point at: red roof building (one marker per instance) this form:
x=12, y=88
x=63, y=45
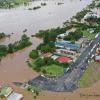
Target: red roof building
x=64, y=59
x=97, y=58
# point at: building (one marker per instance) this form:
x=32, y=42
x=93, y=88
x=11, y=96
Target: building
x=67, y=45
x=6, y=91
x=63, y=59
x=64, y=51
x=91, y=14
x=54, y=57
x=97, y=58
x=63, y=35
x=15, y=96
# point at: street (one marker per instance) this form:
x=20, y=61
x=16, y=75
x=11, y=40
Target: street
x=68, y=82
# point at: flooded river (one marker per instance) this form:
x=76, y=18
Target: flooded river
x=14, y=66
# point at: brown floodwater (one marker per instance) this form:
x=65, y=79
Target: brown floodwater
x=13, y=67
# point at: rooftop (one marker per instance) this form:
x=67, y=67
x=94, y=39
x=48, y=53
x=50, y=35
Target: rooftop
x=97, y=57
x=15, y=96
x=63, y=59
x=67, y=44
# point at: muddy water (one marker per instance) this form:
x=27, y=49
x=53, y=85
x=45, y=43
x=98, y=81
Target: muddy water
x=14, y=66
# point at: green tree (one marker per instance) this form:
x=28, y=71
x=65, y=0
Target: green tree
x=48, y=60
x=34, y=54
x=3, y=50
x=39, y=62
x=10, y=48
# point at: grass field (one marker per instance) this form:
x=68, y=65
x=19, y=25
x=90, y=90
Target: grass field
x=53, y=70
x=91, y=75
x=85, y=80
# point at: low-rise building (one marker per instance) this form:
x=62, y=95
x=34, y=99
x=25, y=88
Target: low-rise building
x=64, y=51
x=97, y=58
x=47, y=54
x=91, y=14
x=63, y=35
x=67, y=45
x=63, y=59
x=15, y=96
x=54, y=57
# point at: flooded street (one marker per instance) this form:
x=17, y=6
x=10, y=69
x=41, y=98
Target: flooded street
x=14, y=67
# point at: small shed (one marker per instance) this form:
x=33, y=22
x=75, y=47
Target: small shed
x=97, y=58
x=47, y=54
x=54, y=57
x=15, y=96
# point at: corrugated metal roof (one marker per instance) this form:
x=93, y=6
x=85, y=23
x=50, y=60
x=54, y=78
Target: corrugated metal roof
x=67, y=44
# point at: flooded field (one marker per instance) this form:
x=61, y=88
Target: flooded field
x=14, y=67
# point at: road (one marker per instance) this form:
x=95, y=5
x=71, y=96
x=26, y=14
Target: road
x=68, y=82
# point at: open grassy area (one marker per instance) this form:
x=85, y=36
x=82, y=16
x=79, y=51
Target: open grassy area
x=91, y=75
x=85, y=80
x=89, y=35
x=53, y=70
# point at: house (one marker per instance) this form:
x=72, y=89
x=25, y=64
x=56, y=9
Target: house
x=97, y=58
x=63, y=59
x=64, y=51
x=6, y=91
x=67, y=45
x=63, y=35
x=91, y=14
x=15, y=96
x=54, y=57
x=47, y=54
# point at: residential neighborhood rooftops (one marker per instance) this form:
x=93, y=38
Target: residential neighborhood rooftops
x=47, y=54
x=65, y=51
x=90, y=14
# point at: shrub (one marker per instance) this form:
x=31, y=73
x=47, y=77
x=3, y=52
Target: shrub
x=39, y=62
x=34, y=54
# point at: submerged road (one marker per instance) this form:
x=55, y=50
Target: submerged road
x=68, y=82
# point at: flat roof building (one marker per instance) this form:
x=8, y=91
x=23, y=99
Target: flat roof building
x=97, y=58
x=15, y=96
x=63, y=59
x=63, y=35
x=67, y=45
